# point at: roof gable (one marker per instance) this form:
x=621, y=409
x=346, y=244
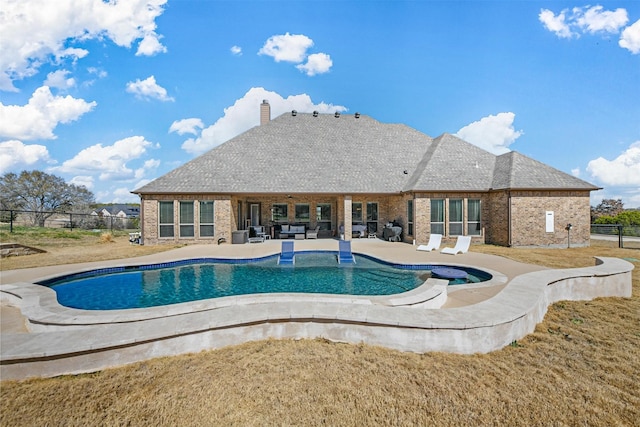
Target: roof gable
x=517, y=171
x=451, y=164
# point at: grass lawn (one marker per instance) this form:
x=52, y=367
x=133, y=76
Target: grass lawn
x=581, y=366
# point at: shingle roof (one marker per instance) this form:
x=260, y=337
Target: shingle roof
x=348, y=155
x=516, y=171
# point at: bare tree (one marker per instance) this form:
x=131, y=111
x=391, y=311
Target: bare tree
x=42, y=195
x=608, y=207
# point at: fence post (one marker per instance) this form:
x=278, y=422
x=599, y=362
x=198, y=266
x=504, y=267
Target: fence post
x=71, y=221
x=620, y=244
x=111, y=224
x=10, y=221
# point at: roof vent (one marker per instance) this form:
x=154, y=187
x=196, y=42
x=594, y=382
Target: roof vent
x=406, y=172
x=294, y=113
x=337, y=114
x=357, y=115
x=315, y=114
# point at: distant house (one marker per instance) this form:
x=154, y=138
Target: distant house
x=346, y=173
x=118, y=210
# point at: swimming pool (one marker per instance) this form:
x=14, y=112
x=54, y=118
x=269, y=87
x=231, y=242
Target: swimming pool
x=199, y=279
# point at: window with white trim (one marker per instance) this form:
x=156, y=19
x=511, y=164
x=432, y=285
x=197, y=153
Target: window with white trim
x=206, y=219
x=474, y=225
x=165, y=219
x=455, y=217
x=437, y=216
x=186, y=219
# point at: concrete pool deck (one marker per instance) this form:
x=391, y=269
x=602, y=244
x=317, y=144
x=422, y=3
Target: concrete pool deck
x=41, y=338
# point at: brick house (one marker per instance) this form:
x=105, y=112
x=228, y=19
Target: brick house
x=343, y=173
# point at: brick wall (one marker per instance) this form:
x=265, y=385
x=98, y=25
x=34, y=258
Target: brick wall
x=527, y=209
x=149, y=218
x=528, y=214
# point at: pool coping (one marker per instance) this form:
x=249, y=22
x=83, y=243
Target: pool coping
x=66, y=341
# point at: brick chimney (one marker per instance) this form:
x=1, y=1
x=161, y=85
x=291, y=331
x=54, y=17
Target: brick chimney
x=265, y=112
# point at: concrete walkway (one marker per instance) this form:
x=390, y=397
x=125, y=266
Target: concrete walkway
x=477, y=317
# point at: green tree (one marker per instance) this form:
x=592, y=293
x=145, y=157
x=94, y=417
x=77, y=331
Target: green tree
x=42, y=195
x=628, y=218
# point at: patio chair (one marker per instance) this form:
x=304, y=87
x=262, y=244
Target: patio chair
x=344, y=255
x=462, y=246
x=432, y=244
x=287, y=255
x=313, y=234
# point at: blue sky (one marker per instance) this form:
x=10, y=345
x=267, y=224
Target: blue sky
x=114, y=94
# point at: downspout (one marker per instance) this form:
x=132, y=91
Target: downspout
x=509, y=218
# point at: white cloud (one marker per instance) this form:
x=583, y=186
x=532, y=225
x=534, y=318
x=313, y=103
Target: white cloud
x=34, y=32
x=491, y=133
x=245, y=114
x=123, y=195
x=150, y=45
x=183, y=126
x=58, y=79
x=630, y=38
x=85, y=180
x=287, y=47
x=110, y=161
x=575, y=172
x=14, y=153
x=148, y=165
x=593, y=20
x=41, y=115
x=556, y=24
x=148, y=89
x=596, y=20
x=624, y=170
x=317, y=63
x=236, y=50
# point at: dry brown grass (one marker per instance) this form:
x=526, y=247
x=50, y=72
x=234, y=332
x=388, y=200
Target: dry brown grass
x=83, y=248
x=581, y=366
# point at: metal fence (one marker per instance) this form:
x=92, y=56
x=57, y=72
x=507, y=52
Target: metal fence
x=69, y=220
x=627, y=236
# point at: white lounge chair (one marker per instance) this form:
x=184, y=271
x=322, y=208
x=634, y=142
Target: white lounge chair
x=432, y=244
x=462, y=246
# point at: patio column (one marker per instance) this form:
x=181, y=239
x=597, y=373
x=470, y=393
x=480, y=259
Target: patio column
x=347, y=218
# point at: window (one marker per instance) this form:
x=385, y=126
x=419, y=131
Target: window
x=206, y=219
x=323, y=216
x=356, y=213
x=302, y=212
x=437, y=216
x=473, y=217
x=186, y=219
x=372, y=217
x=455, y=217
x=280, y=212
x=410, y=217
x=166, y=219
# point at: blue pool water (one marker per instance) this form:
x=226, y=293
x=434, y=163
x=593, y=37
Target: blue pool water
x=171, y=283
